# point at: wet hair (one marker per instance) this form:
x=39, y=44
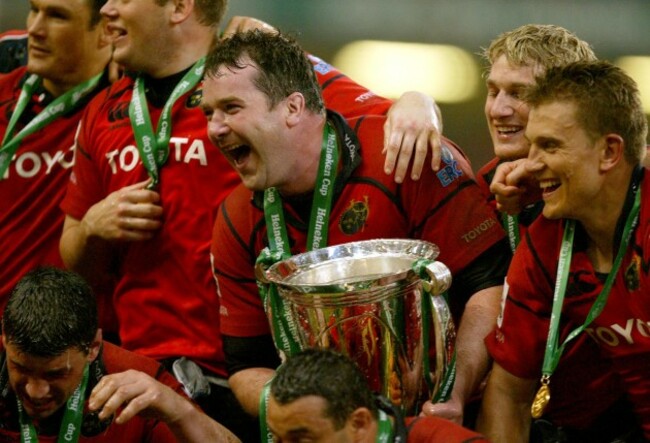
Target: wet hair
x=543, y=46
x=326, y=374
x=607, y=101
x=208, y=12
x=50, y=311
x=283, y=68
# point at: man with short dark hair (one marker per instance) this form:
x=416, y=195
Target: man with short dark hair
x=322, y=396
x=311, y=179
x=40, y=108
x=59, y=379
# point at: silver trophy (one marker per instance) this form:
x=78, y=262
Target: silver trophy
x=369, y=301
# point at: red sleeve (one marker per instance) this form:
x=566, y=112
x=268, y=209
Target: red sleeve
x=522, y=325
x=432, y=429
x=441, y=200
x=484, y=178
x=241, y=310
x=343, y=95
x=85, y=187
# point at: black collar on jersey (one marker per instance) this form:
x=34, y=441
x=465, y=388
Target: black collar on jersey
x=350, y=159
x=635, y=183
x=90, y=426
x=158, y=90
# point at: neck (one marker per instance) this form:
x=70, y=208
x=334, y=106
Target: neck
x=194, y=46
x=58, y=87
x=305, y=148
x=600, y=225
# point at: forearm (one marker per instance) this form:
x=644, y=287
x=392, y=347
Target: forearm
x=88, y=255
x=472, y=359
x=194, y=426
x=505, y=411
x=247, y=386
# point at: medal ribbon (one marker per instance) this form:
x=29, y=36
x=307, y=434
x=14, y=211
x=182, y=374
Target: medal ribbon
x=385, y=428
x=553, y=352
x=71, y=423
x=285, y=334
x=55, y=109
x=154, y=148
x=511, y=225
x=282, y=322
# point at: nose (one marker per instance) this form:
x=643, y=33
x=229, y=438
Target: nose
x=108, y=10
x=35, y=23
x=37, y=388
x=217, y=127
x=500, y=105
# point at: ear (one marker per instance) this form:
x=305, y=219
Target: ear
x=612, y=152
x=295, y=106
x=94, y=346
x=362, y=425
x=181, y=10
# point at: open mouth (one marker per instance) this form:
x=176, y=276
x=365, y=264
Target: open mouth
x=238, y=153
x=507, y=131
x=115, y=32
x=549, y=186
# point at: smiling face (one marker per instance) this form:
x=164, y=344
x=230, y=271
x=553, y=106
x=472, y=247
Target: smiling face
x=44, y=384
x=139, y=31
x=506, y=113
x=63, y=47
x=252, y=137
x=565, y=161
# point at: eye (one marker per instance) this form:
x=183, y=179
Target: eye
x=232, y=108
x=208, y=112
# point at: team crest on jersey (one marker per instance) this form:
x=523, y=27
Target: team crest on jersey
x=632, y=273
x=354, y=218
x=194, y=99
x=119, y=112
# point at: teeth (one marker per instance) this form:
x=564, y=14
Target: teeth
x=508, y=129
x=549, y=184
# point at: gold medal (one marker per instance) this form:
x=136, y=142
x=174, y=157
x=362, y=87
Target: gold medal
x=542, y=398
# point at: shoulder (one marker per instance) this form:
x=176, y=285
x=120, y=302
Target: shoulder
x=13, y=50
x=426, y=429
x=117, y=359
x=10, y=82
x=113, y=95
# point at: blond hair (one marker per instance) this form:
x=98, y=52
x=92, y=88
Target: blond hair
x=540, y=46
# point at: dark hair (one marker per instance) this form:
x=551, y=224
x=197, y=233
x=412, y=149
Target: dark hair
x=208, y=12
x=607, y=101
x=326, y=374
x=282, y=65
x=95, y=15
x=49, y=311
